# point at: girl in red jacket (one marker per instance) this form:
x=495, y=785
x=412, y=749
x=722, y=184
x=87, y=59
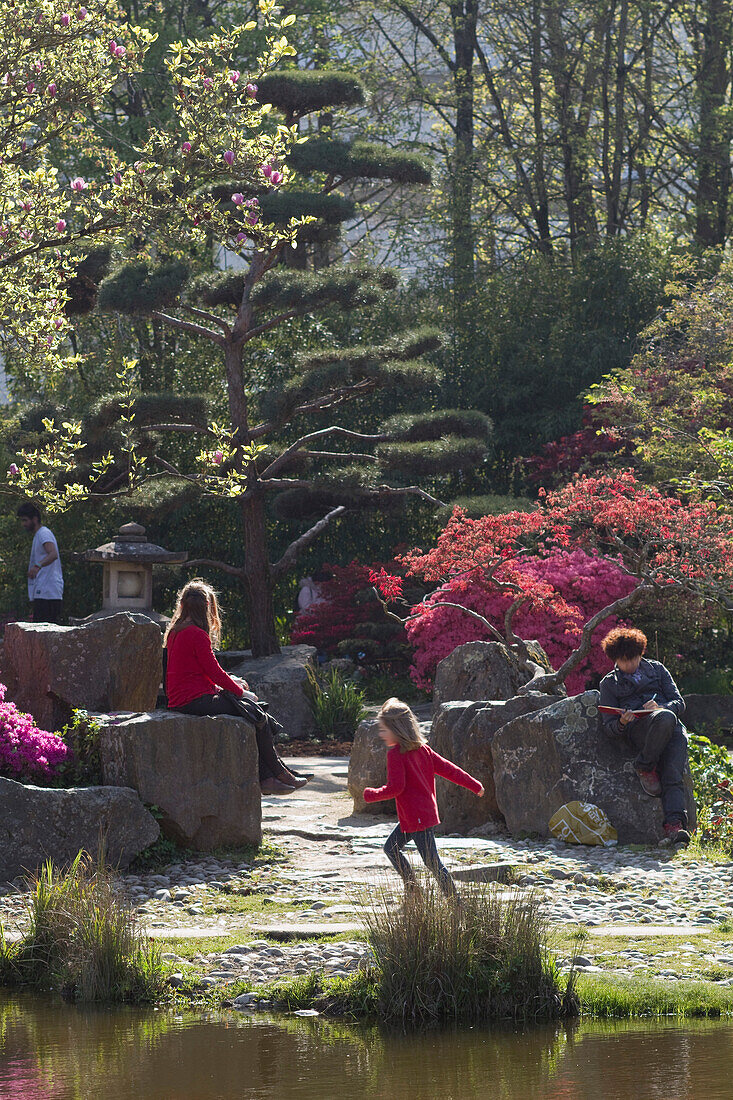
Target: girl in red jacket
x=411, y=770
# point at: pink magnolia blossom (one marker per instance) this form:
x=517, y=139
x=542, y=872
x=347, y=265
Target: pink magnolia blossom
x=218, y=457
x=65, y=19
x=234, y=76
x=112, y=47
x=117, y=179
x=237, y=198
x=241, y=238
x=81, y=14
x=208, y=82
x=13, y=470
x=252, y=218
x=78, y=184
x=60, y=225
x=27, y=205
x=266, y=170
x=251, y=90
x=186, y=147
x=276, y=178
x=30, y=87
x=51, y=89
x=229, y=157
x=58, y=323
x=120, y=52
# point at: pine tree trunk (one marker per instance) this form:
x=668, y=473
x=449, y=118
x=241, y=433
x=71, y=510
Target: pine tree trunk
x=258, y=582
x=257, y=579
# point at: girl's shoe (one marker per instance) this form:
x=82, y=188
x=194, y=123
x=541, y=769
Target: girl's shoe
x=274, y=786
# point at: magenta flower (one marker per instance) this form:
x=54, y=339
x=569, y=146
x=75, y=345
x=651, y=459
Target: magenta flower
x=81, y=14
x=186, y=147
x=27, y=205
x=117, y=178
x=234, y=76
x=241, y=238
x=266, y=170
x=218, y=457
x=229, y=157
x=120, y=52
x=251, y=90
x=60, y=225
x=78, y=184
x=30, y=87
x=51, y=89
x=237, y=198
x=112, y=47
x=252, y=203
x=252, y=218
x=13, y=470
x=208, y=82
x=58, y=323
x=275, y=178
x=65, y=19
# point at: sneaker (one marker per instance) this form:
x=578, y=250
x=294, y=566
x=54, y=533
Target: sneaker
x=650, y=783
x=676, y=834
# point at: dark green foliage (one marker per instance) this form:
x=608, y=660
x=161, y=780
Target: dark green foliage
x=82, y=288
x=336, y=704
x=148, y=408
x=491, y=505
x=139, y=289
x=315, y=502
x=358, y=160
x=405, y=345
x=217, y=288
x=434, y=425
x=439, y=456
x=279, y=207
x=347, y=288
x=301, y=91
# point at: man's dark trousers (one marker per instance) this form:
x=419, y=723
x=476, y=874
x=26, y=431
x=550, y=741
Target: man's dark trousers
x=661, y=744
x=47, y=611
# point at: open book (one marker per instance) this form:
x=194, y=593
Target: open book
x=622, y=710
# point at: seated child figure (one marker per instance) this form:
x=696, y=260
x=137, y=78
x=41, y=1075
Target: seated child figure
x=659, y=740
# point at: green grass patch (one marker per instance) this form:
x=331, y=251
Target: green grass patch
x=604, y=997
x=83, y=940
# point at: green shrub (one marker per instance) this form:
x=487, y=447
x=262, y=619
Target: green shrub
x=83, y=939
x=437, y=962
x=712, y=778
x=81, y=735
x=336, y=704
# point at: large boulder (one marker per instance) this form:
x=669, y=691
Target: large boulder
x=368, y=768
x=201, y=773
x=483, y=670
x=709, y=715
x=464, y=733
x=106, y=665
x=281, y=681
x=559, y=754
x=46, y=823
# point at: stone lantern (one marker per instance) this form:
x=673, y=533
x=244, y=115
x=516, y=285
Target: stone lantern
x=127, y=573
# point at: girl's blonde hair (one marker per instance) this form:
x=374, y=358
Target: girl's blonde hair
x=197, y=603
x=402, y=724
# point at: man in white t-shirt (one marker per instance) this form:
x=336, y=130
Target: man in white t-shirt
x=45, y=578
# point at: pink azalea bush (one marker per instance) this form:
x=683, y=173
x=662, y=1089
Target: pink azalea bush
x=586, y=582
x=25, y=751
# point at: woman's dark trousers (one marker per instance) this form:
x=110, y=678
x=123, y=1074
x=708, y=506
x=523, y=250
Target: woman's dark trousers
x=271, y=766
x=661, y=745
x=425, y=844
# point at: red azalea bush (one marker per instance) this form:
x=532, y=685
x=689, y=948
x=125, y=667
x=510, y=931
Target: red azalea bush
x=349, y=620
x=26, y=752
x=561, y=458
x=585, y=582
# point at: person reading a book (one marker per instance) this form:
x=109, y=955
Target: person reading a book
x=641, y=704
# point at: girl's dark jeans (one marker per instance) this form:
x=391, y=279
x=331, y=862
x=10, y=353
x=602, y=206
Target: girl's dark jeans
x=425, y=844
x=271, y=766
x=661, y=745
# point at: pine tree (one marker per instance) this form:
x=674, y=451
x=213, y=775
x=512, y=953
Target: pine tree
x=281, y=445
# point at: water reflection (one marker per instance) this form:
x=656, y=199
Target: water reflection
x=53, y=1052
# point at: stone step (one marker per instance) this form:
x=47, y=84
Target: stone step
x=647, y=930
x=485, y=872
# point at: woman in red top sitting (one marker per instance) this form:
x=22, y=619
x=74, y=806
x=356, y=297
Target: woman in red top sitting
x=197, y=684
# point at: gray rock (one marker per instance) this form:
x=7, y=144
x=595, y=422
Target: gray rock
x=709, y=715
x=40, y=823
x=109, y=664
x=478, y=670
x=368, y=768
x=201, y=772
x=281, y=681
x=559, y=754
x=463, y=732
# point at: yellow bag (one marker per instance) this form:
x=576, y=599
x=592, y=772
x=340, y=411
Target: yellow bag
x=583, y=823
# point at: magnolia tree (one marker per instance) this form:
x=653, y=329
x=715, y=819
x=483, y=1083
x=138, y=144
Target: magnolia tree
x=658, y=543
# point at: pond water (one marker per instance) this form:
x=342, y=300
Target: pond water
x=57, y=1052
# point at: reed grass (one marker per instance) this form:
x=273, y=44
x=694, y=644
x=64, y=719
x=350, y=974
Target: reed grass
x=484, y=959
x=83, y=939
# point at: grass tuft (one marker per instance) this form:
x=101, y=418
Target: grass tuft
x=83, y=940
x=618, y=998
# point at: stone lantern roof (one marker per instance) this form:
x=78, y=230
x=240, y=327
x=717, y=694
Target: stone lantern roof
x=130, y=544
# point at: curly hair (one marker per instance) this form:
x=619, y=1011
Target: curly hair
x=624, y=642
